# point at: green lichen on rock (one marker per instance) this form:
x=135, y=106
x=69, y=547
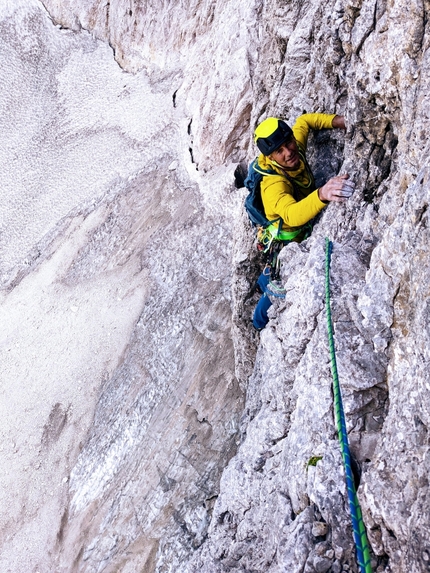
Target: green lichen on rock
x=313, y=461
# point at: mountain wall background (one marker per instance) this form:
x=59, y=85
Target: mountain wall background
x=145, y=427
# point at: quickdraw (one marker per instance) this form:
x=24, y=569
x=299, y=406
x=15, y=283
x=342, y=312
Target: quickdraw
x=272, y=269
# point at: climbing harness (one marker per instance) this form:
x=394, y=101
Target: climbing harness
x=267, y=235
x=270, y=245
x=359, y=530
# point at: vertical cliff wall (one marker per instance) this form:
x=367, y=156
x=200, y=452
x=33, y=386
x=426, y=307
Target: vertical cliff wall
x=172, y=444
x=116, y=347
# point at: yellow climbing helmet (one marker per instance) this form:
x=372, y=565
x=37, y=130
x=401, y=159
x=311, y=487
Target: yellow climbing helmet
x=271, y=134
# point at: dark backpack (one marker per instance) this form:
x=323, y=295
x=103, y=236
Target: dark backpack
x=253, y=202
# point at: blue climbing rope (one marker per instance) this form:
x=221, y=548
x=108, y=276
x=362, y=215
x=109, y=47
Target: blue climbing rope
x=359, y=530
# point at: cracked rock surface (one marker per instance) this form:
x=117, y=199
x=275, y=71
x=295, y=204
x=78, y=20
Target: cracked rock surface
x=145, y=426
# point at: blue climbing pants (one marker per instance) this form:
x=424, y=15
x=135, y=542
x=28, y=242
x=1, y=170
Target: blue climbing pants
x=260, y=318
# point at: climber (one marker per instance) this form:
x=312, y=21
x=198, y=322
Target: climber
x=288, y=192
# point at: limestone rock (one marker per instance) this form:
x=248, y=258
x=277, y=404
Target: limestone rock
x=157, y=432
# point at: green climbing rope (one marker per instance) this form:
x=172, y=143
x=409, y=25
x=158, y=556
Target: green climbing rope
x=359, y=531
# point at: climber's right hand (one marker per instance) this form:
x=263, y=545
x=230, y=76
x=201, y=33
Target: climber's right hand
x=336, y=189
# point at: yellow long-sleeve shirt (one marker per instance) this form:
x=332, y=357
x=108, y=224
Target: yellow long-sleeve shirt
x=277, y=193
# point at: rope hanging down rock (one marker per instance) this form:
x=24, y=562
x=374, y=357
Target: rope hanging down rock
x=360, y=537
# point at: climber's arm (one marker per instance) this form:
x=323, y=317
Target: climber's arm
x=315, y=121
x=278, y=201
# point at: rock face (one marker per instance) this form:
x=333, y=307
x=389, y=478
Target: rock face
x=117, y=353
x=156, y=431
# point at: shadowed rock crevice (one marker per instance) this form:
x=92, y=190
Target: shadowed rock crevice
x=55, y=425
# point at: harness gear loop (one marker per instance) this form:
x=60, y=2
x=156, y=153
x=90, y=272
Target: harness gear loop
x=358, y=528
x=266, y=236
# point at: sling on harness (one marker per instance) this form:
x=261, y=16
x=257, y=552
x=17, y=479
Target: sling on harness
x=359, y=530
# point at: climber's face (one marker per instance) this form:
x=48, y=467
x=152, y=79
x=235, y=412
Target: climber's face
x=287, y=155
